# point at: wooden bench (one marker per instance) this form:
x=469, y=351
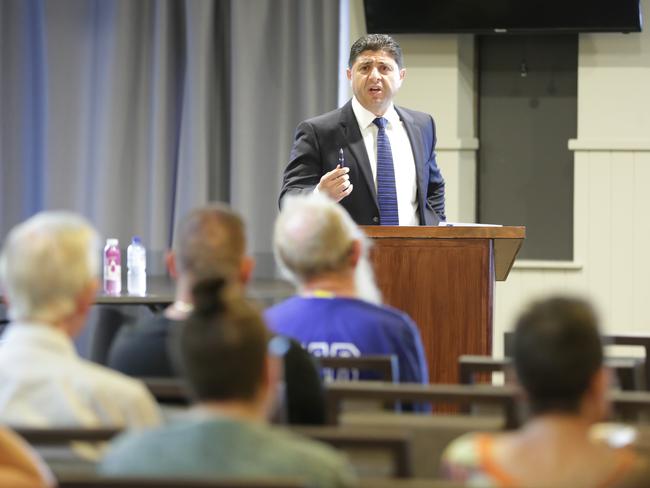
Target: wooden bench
x=57, y=436
x=638, y=340
x=366, y=442
x=504, y=397
x=356, y=442
x=168, y=390
x=632, y=373
x=629, y=371
x=99, y=482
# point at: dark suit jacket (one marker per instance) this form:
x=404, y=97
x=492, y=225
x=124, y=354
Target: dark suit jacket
x=316, y=150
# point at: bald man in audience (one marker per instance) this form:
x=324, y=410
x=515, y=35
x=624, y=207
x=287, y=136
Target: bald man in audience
x=49, y=273
x=210, y=242
x=337, y=311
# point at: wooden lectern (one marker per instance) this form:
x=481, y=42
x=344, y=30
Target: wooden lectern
x=443, y=277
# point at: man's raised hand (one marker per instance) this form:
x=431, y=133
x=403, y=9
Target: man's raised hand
x=336, y=184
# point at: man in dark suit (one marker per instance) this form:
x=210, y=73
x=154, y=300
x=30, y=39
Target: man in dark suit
x=376, y=159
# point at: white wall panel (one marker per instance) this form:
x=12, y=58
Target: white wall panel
x=611, y=168
x=640, y=281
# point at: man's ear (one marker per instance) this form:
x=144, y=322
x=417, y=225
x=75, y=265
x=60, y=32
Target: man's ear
x=596, y=396
x=601, y=382
x=170, y=264
x=355, y=253
x=348, y=73
x=246, y=269
x=402, y=74
x=87, y=297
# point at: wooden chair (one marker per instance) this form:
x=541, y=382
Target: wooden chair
x=336, y=392
x=385, y=367
x=364, y=447
x=99, y=482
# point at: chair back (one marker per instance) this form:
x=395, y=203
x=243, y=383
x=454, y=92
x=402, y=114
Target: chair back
x=461, y=395
x=470, y=365
x=385, y=366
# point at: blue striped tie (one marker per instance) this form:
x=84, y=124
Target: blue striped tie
x=386, y=192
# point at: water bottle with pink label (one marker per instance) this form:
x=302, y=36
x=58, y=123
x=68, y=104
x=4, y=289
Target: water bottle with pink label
x=112, y=267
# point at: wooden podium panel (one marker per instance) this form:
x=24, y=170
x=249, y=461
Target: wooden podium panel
x=443, y=277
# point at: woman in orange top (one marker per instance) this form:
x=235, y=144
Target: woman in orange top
x=558, y=359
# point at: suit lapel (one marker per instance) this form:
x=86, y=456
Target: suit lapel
x=415, y=138
x=352, y=134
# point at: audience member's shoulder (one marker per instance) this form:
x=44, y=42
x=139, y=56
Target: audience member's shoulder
x=284, y=304
x=382, y=310
x=128, y=452
x=461, y=456
x=314, y=455
x=122, y=387
x=634, y=471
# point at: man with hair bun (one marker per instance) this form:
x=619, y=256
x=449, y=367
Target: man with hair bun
x=48, y=269
x=209, y=243
x=232, y=370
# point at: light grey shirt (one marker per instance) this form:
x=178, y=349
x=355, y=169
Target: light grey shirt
x=215, y=446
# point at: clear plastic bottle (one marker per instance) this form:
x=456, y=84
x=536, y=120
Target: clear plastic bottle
x=136, y=261
x=112, y=267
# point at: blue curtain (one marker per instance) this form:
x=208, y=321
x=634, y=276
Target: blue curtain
x=133, y=112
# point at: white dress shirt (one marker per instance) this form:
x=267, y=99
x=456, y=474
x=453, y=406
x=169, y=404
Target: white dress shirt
x=44, y=383
x=403, y=162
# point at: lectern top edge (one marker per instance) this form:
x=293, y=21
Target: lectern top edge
x=456, y=232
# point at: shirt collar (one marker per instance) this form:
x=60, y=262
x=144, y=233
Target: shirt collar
x=38, y=334
x=365, y=117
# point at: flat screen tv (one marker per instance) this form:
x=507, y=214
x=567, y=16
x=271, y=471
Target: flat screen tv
x=502, y=16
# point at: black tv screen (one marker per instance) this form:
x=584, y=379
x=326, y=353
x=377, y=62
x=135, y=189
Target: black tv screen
x=502, y=16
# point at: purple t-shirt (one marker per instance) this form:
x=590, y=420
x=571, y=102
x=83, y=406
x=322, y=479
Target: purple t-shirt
x=350, y=327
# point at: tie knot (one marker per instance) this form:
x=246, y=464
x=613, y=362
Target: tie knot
x=380, y=122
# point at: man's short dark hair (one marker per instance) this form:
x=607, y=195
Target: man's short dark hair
x=376, y=42
x=557, y=352
x=222, y=344
x=210, y=242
